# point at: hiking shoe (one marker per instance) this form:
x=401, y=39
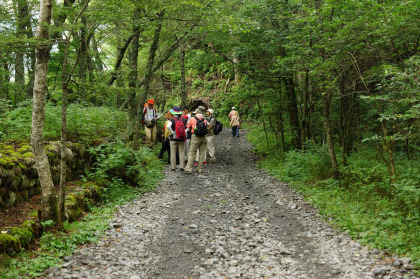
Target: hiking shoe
x=172, y=169
x=195, y=164
x=187, y=172
x=182, y=169
x=205, y=163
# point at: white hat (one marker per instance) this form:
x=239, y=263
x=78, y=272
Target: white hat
x=211, y=111
x=233, y=108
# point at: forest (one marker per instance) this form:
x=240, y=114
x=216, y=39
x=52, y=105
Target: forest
x=327, y=90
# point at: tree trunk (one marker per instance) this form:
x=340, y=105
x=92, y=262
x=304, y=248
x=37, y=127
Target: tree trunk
x=182, y=66
x=149, y=72
x=305, y=127
x=326, y=100
x=22, y=17
x=133, y=60
x=293, y=112
x=42, y=52
x=83, y=57
x=236, y=68
x=121, y=52
x=98, y=61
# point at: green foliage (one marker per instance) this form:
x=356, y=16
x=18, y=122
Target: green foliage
x=53, y=247
x=84, y=123
x=365, y=202
x=115, y=161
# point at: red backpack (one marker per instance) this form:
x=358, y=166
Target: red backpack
x=180, y=134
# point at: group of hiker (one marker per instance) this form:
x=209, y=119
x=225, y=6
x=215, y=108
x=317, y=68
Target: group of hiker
x=188, y=139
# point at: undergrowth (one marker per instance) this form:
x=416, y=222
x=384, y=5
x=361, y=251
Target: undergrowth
x=115, y=163
x=364, y=202
x=85, y=124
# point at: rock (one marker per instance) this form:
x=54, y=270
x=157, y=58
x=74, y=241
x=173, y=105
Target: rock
x=193, y=226
x=397, y=263
x=188, y=250
x=209, y=262
x=234, y=263
x=405, y=261
x=379, y=270
x=135, y=277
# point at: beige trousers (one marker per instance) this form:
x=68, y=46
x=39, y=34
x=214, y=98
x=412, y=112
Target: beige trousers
x=150, y=135
x=197, y=143
x=174, y=146
x=186, y=149
x=210, y=148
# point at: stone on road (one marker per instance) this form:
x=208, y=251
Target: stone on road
x=231, y=221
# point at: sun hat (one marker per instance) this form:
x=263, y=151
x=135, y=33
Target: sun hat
x=151, y=101
x=233, y=108
x=176, y=110
x=211, y=111
x=201, y=109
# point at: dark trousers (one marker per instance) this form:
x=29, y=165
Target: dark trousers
x=166, y=147
x=235, y=131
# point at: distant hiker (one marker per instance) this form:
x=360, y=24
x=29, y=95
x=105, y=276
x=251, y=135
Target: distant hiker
x=234, y=123
x=186, y=114
x=149, y=121
x=176, y=128
x=198, y=127
x=231, y=113
x=186, y=111
x=211, y=120
x=165, y=139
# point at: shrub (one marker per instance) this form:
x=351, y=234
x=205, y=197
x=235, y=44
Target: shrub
x=115, y=161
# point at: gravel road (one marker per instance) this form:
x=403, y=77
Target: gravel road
x=231, y=221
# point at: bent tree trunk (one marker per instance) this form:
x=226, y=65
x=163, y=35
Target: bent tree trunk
x=42, y=52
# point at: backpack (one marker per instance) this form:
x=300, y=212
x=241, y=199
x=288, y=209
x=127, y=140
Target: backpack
x=200, y=128
x=180, y=134
x=218, y=128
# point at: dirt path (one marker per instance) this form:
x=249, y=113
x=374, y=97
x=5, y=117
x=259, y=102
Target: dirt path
x=232, y=221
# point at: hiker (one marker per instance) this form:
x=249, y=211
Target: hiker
x=234, y=123
x=176, y=128
x=231, y=113
x=149, y=119
x=186, y=114
x=211, y=120
x=198, y=127
x=165, y=139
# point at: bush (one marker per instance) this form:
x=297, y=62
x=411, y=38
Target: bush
x=83, y=123
x=115, y=161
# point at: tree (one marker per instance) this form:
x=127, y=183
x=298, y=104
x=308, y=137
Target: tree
x=42, y=52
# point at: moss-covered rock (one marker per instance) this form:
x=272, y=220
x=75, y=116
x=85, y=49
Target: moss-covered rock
x=18, y=172
x=9, y=244
x=23, y=235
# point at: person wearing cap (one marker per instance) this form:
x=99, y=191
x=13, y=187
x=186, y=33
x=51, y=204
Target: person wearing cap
x=177, y=142
x=235, y=124
x=231, y=113
x=210, y=136
x=197, y=142
x=149, y=122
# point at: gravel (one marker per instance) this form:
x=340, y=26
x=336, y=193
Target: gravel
x=231, y=221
